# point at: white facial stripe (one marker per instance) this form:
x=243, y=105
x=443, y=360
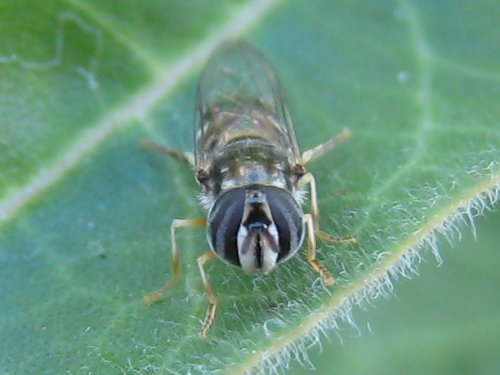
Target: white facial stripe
x=270, y=249
x=273, y=231
x=246, y=250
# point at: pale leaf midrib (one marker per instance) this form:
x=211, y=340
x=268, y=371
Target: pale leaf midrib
x=407, y=244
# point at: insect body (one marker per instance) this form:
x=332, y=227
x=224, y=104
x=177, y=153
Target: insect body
x=252, y=174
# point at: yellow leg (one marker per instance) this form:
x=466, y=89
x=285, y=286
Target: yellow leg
x=312, y=223
x=308, y=179
x=311, y=252
x=177, y=223
x=323, y=148
x=334, y=239
x=212, y=298
x=185, y=157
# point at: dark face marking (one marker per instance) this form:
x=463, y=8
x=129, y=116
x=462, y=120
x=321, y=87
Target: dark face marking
x=259, y=261
x=257, y=217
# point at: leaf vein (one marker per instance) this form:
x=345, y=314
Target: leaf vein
x=136, y=107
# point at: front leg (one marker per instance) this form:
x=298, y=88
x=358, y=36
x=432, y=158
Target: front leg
x=209, y=291
x=176, y=267
x=311, y=252
x=308, y=179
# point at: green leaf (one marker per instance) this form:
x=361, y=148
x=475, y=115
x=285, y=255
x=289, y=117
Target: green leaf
x=427, y=326
x=85, y=210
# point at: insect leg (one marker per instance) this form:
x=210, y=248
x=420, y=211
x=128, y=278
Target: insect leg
x=184, y=157
x=311, y=252
x=308, y=178
x=318, y=151
x=212, y=298
x=177, y=223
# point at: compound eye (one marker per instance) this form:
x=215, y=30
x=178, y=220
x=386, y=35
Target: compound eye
x=287, y=217
x=224, y=222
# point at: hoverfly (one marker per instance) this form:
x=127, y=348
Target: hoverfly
x=251, y=172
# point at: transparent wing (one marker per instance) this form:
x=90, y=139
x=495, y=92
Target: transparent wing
x=240, y=97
